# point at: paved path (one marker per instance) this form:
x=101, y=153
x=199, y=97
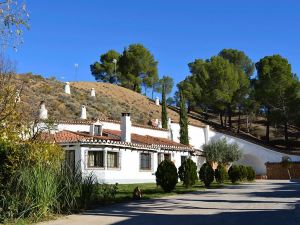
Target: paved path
x=260, y=203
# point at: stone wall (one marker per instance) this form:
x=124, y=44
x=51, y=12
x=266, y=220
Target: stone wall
x=276, y=171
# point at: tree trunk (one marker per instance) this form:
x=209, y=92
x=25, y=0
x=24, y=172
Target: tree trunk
x=229, y=117
x=221, y=119
x=268, y=126
x=239, y=121
x=188, y=107
x=247, y=123
x=286, y=135
x=225, y=120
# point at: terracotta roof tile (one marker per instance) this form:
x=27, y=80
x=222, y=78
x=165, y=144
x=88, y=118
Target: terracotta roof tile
x=70, y=136
x=146, y=139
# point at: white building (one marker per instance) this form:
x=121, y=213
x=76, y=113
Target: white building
x=119, y=151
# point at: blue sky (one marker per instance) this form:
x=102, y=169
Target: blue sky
x=64, y=32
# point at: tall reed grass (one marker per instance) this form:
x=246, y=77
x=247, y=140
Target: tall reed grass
x=38, y=191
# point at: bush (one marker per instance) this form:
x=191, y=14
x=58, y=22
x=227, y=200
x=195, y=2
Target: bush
x=234, y=173
x=206, y=174
x=187, y=172
x=166, y=175
x=221, y=174
x=243, y=172
x=250, y=173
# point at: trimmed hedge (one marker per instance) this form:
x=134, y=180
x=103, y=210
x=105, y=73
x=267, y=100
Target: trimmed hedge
x=221, y=174
x=206, y=174
x=234, y=173
x=241, y=173
x=166, y=175
x=188, y=172
x=250, y=173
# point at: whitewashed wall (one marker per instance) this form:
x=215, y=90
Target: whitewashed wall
x=129, y=171
x=114, y=126
x=254, y=155
x=196, y=135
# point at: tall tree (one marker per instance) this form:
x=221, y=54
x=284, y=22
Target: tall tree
x=277, y=89
x=245, y=68
x=223, y=83
x=183, y=122
x=164, y=115
x=107, y=69
x=168, y=83
x=239, y=59
x=137, y=65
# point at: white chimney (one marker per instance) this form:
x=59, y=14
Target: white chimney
x=159, y=124
x=67, y=88
x=43, y=112
x=206, y=134
x=93, y=92
x=83, y=112
x=169, y=123
x=17, y=99
x=157, y=101
x=125, y=127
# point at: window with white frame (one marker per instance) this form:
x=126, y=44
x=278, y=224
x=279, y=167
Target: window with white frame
x=95, y=159
x=145, y=161
x=113, y=159
x=97, y=130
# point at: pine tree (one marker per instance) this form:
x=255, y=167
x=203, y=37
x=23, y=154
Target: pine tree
x=164, y=115
x=183, y=122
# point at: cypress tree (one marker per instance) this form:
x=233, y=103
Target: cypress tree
x=164, y=116
x=183, y=122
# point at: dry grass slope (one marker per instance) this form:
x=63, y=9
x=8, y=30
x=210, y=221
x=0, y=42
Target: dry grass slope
x=110, y=101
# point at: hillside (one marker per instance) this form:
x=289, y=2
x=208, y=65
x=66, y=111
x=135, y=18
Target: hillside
x=110, y=101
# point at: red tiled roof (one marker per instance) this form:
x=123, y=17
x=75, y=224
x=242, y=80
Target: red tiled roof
x=137, y=141
x=70, y=136
x=146, y=139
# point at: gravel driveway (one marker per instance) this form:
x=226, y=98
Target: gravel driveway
x=259, y=203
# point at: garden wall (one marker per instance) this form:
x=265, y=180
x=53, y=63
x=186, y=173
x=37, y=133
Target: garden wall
x=276, y=171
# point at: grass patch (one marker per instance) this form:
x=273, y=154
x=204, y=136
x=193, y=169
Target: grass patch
x=151, y=190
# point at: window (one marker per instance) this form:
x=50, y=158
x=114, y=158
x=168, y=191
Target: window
x=97, y=130
x=145, y=161
x=95, y=159
x=167, y=156
x=112, y=159
x=183, y=158
x=159, y=158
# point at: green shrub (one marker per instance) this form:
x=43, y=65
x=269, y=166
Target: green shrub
x=250, y=173
x=221, y=174
x=187, y=172
x=166, y=175
x=234, y=173
x=243, y=172
x=107, y=191
x=206, y=174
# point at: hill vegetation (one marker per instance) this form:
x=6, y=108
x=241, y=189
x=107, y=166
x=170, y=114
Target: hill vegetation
x=110, y=101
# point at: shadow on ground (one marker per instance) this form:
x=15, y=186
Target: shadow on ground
x=159, y=211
